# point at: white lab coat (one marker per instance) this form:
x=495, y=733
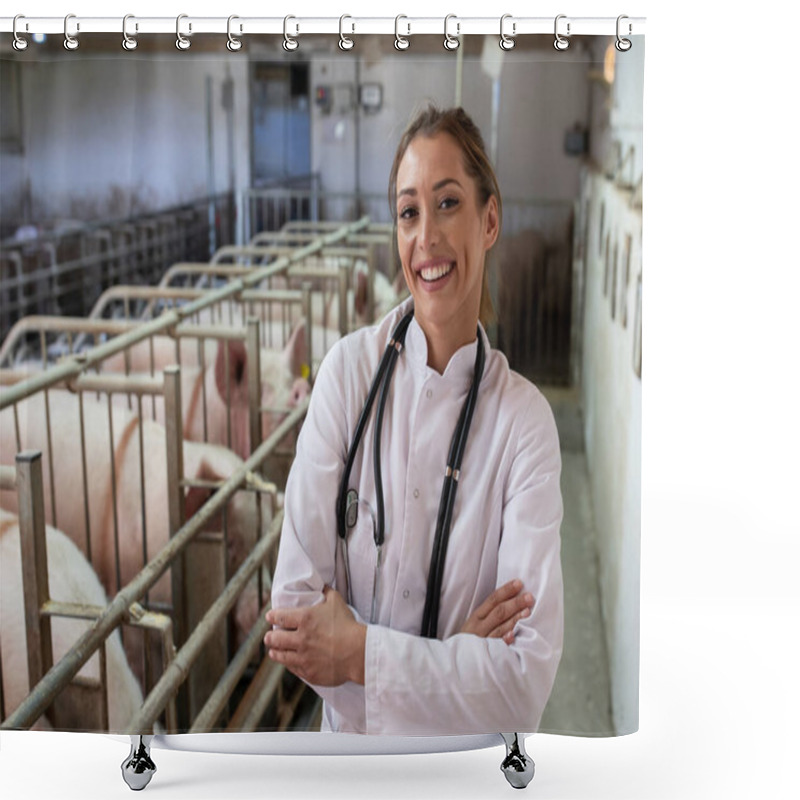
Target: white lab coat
x=506, y=524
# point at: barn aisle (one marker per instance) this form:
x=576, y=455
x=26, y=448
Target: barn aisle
x=581, y=699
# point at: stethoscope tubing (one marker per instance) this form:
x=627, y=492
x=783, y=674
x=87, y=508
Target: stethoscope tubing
x=397, y=337
x=381, y=382
x=430, y=616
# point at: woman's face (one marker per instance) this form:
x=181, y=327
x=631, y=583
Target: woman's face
x=442, y=234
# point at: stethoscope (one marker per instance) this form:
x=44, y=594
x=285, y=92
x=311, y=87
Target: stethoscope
x=348, y=502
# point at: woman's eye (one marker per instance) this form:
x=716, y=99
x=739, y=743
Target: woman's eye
x=449, y=202
x=408, y=212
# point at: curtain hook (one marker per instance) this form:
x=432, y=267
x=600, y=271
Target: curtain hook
x=289, y=43
x=344, y=42
x=70, y=41
x=561, y=42
x=507, y=42
x=623, y=45
x=451, y=42
x=19, y=42
x=128, y=42
x=182, y=43
x=233, y=44
x=400, y=42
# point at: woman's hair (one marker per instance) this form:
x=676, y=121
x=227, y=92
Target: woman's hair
x=458, y=124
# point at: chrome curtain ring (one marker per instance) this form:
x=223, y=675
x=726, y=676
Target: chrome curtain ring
x=128, y=42
x=19, y=43
x=507, y=42
x=451, y=42
x=400, y=42
x=561, y=42
x=182, y=43
x=623, y=45
x=70, y=41
x=289, y=43
x=233, y=44
x=344, y=42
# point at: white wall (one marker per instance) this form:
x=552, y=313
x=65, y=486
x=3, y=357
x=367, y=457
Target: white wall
x=541, y=96
x=105, y=137
x=611, y=391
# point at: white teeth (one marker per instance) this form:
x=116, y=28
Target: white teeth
x=434, y=273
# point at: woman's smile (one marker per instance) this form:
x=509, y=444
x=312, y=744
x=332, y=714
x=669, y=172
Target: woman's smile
x=443, y=234
x=433, y=273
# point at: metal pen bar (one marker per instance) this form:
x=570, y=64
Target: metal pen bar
x=177, y=672
x=254, y=380
x=204, y=721
x=71, y=368
x=33, y=551
x=261, y=690
x=41, y=695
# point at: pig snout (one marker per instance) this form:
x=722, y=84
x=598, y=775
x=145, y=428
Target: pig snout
x=299, y=391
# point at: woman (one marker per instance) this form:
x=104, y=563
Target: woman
x=349, y=621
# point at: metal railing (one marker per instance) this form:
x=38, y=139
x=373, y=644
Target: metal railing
x=75, y=372
x=63, y=271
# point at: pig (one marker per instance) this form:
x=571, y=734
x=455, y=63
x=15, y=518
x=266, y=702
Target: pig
x=201, y=461
x=386, y=294
x=72, y=580
x=226, y=385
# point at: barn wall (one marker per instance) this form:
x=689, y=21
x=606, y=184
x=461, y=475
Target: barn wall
x=609, y=261
x=541, y=97
x=129, y=137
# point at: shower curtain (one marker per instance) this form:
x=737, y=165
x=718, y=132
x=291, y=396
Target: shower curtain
x=116, y=166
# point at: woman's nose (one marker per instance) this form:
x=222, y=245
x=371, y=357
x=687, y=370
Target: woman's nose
x=429, y=230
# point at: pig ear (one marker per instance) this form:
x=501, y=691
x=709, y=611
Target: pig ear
x=296, y=353
x=360, y=299
x=235, y=369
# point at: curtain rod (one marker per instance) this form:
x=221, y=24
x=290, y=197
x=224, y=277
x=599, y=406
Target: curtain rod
x=507, y=26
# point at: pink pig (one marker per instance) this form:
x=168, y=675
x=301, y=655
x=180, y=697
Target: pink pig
x=201, y=461
x=224, y=384
x=71, y=579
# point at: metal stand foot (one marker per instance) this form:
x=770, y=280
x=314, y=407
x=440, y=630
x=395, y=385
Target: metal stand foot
x=138, y=768
x=518, y=766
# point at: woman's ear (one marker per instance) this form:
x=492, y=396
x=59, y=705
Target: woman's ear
x=492, y=222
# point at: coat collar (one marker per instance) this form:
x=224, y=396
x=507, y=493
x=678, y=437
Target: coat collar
x=459, y=369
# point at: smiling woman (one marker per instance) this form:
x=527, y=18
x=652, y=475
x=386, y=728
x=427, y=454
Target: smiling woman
x=443, y=233
x=398, y=633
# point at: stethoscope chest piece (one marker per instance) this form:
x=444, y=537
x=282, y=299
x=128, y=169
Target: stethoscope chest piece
x=348, y=500
x=351, y=512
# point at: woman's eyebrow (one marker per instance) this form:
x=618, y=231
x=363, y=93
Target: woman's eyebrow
x=436, y=186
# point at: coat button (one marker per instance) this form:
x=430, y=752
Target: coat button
x=429, y=394
x=405, y=594
x=416, y=492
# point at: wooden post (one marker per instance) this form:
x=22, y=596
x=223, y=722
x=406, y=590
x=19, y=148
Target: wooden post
x=33, y=546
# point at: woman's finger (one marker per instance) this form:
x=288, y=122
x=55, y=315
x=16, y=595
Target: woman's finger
x=505, y=611
x=509, y=624
x=287, y=618
x=498, y=596
x=281, y=639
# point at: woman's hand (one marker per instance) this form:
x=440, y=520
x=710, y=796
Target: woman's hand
x=322, y=644
x=500, y=612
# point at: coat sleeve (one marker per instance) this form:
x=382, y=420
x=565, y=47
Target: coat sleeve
x=307, y=553
x=467, y=684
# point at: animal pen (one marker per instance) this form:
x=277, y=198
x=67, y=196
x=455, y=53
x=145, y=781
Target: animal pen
x=122, y=318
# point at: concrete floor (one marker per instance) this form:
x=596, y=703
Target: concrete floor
x=581, y=700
